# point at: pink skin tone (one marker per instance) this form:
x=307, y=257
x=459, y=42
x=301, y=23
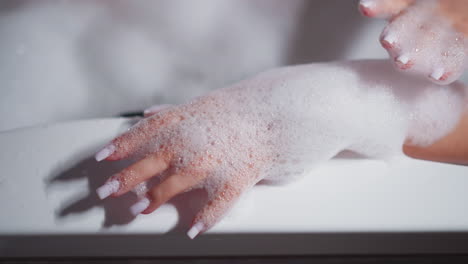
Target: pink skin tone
x=423, y=37
x=410, y=41
x=230, y=139
x=182, y=180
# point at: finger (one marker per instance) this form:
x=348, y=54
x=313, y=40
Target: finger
x=424, y=45
x=155, y=109
x=126, y=144
x=170, y=187
x=140, y=206
x=451, y=59
x=130, y=177
x=383, y=8
x=403, y=62
x=399, y=35
x=404, y=39
x=219, y=204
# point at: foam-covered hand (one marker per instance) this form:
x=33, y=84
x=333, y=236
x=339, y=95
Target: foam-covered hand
x=276, y=126
x=425, y=37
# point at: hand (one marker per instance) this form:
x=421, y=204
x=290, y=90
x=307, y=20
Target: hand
x=276, y=126
x=424, y=37
x=224, y=142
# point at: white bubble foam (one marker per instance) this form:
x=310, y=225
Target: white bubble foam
x=281, y=123
x=429, y=41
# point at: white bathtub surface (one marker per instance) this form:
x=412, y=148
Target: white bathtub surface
x=347, y=206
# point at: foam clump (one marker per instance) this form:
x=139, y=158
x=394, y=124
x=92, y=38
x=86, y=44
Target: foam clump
x=283, y=122
x=427, y=43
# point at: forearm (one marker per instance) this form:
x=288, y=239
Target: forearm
x=453, y=148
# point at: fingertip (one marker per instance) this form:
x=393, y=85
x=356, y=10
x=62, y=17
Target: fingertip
x=367, y=3
x=403, y=62
x=152, y=206
x=195, y=230
x=437, y=73
x=113, y=157
x=388, y=41
x=403, y=59
x=140, y=206
x=366, y=8
x=115, y=194
x=148, y=210
x=387, y=45
x=105, y=152
x=366, y=11
x=108, y=189
x=443, y=78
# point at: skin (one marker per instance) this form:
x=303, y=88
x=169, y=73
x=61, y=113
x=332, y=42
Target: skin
x=453, y=148
x=456, y=11
x=181, y=178
x=169, y=134
x=419, y=29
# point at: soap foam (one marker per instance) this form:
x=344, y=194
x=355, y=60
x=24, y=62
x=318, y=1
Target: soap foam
x=429, y=41
x=283, y=122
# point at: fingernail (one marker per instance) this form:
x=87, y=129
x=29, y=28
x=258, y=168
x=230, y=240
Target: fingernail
x=390, y=38
x=367, y=4
x=155, y=109
x=108, y=188
x=403, y=59
x=195, y=230
x=140, y=206
x=437, y=73
x=105, y=152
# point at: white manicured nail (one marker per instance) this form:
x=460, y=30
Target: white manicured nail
x=105, y=152
x=155, y=108
x=140, y=206
x=390, y=38
x=108, y=188
x=195, y=230
x=367, y=4
x=403, y=59
x=437, y=73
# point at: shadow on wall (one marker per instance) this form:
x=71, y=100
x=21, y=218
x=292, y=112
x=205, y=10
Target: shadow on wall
x=317, y=39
